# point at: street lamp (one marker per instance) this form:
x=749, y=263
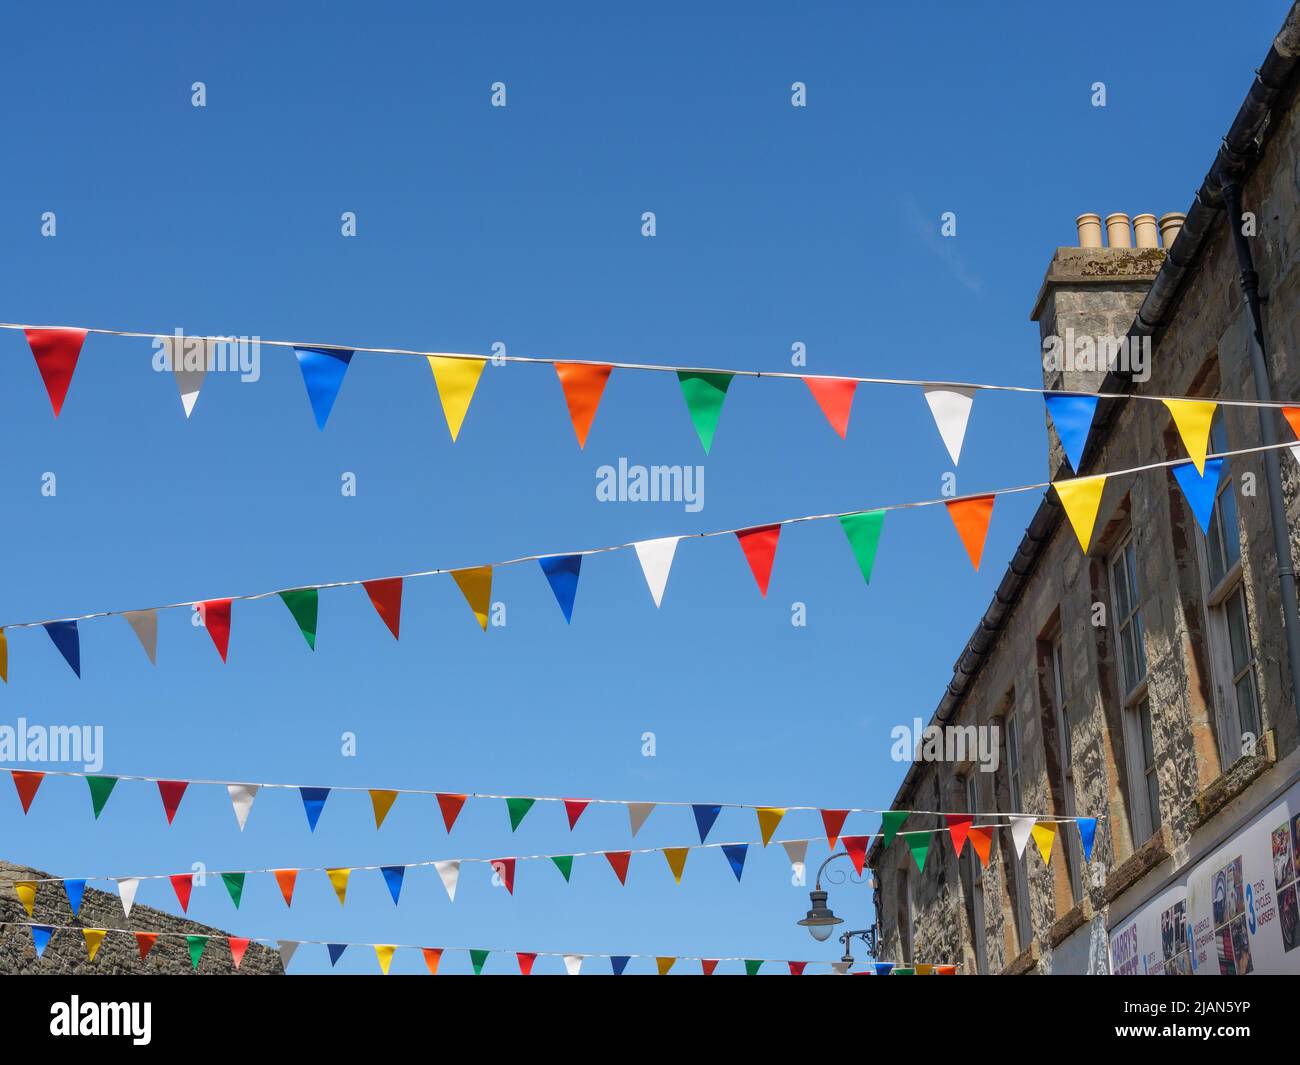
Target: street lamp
x=821, y=920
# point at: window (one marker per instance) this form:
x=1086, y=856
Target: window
x=1073, y=855
x=1128, y=616
x=1020, y=882
x=972, y=875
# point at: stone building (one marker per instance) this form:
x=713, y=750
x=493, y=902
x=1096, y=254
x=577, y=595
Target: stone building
x=1145, y=682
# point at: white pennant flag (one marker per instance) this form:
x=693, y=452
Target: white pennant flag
x=1295, y=451
x=241, y=797
x=144, y=623
x=637, y=812
x=287, y=949
x=1022, y=825
x=796, y=850
x=951, y=409
x=450, y=873
x=126, y=888
x=188, y=358
x=573, y=964
x=656, y=558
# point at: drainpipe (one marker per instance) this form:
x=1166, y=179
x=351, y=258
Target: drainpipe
x=1268, y=436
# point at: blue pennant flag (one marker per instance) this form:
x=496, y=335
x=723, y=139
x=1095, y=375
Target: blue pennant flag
x=562, y=572
x=393, y=878
x=1072, y=416
x=618, y=963
x=1087, y=833
x=41, y=937
x=74, y=890
x=883, y=967
x=1200, y=491
x=322, y=372
x=336, y=952
x=735, y=853
x=64, y=635
x=313, y=801
x=704, y=818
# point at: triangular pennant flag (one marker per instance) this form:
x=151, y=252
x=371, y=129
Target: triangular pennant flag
x=835, y=397
x=145, y=941
x=476, y=586
x=637, y=812
x=66, y=639
x=322, y=373
x=951, y=409
x=450, y=805
x=971, y=517
x=564, y=863
x=797, y=967
x=171, y=792
x=518, y=809
x=1292, y=416
x=74, y=889
x=768, y=818
x=100, y=789
x=664, y=964
x=313, y=802
x=335, y=952
x=656, y=558
x=562, y=574
x=26, y=781
x=381, y=801
x=1072, y=416
x=573, y=964
x=182, y=884
x=393, y=877
x=863, y=531
x=834, y=821
x=919, y=844
x=287, y=879
x=1021, y=827
x=189, y=358
x=1200, y=490
x=235, y=886
x=677, y=860
x=797, y=850
x=456, y=380
x=288, y=948
x=890, y=822
x=982, y=840
x=857, y=848
x=432, y=955
x=238, y=948
x=583, y=384
x=735, y=853
x=384, y=955
x=144, y=623
x=707, y=965
x=958, y=826
x=618, y=963
x=56, y=352
x=241, y=798
x=41, y=934
x=752, y=965
x=215, y=614
x=704, y=393
x=126, y=889
x=339, y=882
x=1193, y=418
x=26, y=892
x=303, y=604
x=449, y=873
x=1087, y=834
x=574, y=808
x=1081, y=498
x=505, y=871
x=704, y=818
x=477, y=958
x=386, y=597
x=1044, y=835
x=525, y=962
x=94, y=937
x=759, y=545
x=618, y=861
x=196, y=945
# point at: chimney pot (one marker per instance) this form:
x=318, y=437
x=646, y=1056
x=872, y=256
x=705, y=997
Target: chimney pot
x=1145, y=231
x=1170, y=224
x=1118, y=234
x=1089, y=226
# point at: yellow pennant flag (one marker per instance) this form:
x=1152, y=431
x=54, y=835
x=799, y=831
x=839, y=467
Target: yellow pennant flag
x=94, y=937
x=384, y=952
x=382, y=800
x=768, y=818
x=1193, y=418
x=676, y=860
x=4, y=657
x=925, y=970
x=665, y=964
x=339, y=878
x=1044, y=833
x=1081, y=496
x=456, y=380
x=476, y=586
x=26, y=890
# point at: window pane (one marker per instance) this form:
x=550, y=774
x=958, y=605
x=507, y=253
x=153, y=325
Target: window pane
x=1228, y=516
x=1247, y=715
x=1153, y=800
x=1215, y=556
x=1130, y=563
x=1238, y=637
x=1120, y=582
x=1139, y=644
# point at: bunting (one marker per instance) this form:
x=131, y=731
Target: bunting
x=583, y=385
x=950, y=406
x=573, y=808
x=769, y=817
x=863, y=532
x=704, y=817
x=1200, y=490
x=1044, y=834
x=322, y=373
x=759, y=546
x=386, y=597
x=833, y=820
x=981, y=839
x=835, y=398
x=505, y=870
x=1021, y=828
x=619, y=861
x=1081, y=499
x=958, y=827
x=971, y=517
x=456, y=380
x=735, y=853
x=94, y=939
x=476, y=586
x=637, y=812
x=215, y=615
x=144, y=623
x=64, y=636
x=1193, y=418
x=675, y=856
x=1072, y=416
x=171, y=792
x=656, y=558
x=302, y=604
x=56, y=352
x=704, y=393
x=241, y=798
x=381, y=801
x=313, y=802
x=856, y=846
x=562, y=575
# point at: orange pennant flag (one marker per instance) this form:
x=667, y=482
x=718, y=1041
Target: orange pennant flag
x=145, y=941
x=583, y=384
x=981, y=839
x=835, y=397
x=971, y=517
x=432, y=955
x=286, y=878
x=382, y=800
x=476, y=586
x=1292, y=416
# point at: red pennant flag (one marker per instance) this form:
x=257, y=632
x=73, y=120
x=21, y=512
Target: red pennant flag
x=981, y=839
x=238, y=945
x=958, y=827
x=708, y=965
x=971, y=516
x=27, y=781
x=583, y=384
x=171, y=792
x=835, y=397
x=386, y=598
x=216, y=619
x=618, y=861
x=797, y=967
x=857, y=848
x=183, y=884
x=145, y=941
x=574, y=808
x=834, y=821
x=759, y=545
x=450, y=806
x=56, y=352
x=505, y=869
x=525, y=962
x=286, y=878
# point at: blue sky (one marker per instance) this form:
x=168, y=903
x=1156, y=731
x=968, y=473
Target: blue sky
x=522, y=225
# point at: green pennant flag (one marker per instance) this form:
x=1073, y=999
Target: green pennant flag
x=235, y=885
x=919, y=844
x=302, y=604
x=477, y=958
x=752, y=965
x=518, y=808
x=197, y=943
x=704, y=393
x=902, y=972
x=863, y=531
x=890, y=822
x=100, y=789
x=564, y=863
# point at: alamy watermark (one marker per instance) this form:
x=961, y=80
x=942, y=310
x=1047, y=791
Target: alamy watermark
x=947, y=743
x=1084, y=352
x=187, y=354
x=52, y=744
x=628, y=483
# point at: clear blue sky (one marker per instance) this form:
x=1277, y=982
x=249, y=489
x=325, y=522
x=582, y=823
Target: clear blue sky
x=522, y=225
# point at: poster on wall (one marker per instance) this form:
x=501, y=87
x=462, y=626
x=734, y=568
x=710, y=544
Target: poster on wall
x=1234, y=913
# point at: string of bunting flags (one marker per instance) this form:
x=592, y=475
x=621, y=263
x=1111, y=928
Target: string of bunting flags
x=1080, y=497
x=456, y=378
